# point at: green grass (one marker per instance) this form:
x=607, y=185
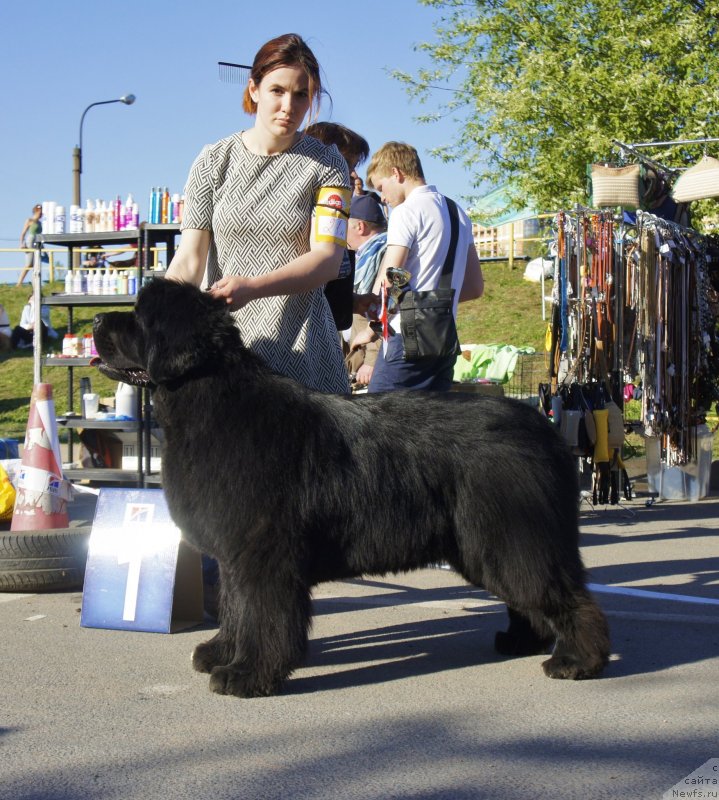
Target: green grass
x=16, y=367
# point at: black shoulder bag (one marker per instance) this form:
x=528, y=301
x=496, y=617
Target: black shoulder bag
x=426, y=318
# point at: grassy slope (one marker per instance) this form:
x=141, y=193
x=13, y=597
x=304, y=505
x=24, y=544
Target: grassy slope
x=510, y=312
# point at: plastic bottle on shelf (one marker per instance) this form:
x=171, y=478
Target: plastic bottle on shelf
x=164, y=200
x=77, y=282
x=132, y=283
x=105, y=282
x=135, y=215
x=89, y=217
x=66, y=344
x=87, y=345
x=97, y=281
x=59, y=219
x=125, y=400
x=75, y=219
x=127, y=212
x=68, y=282
x=122, y=282
x=175, y=209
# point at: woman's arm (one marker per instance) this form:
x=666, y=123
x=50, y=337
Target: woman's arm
x=190, y=258
x=303, y=274
x=24, y=231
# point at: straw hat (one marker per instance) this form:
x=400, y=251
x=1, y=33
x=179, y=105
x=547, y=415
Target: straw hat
x=698, y=182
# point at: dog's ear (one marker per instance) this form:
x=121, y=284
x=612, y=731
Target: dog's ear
x=184, y=330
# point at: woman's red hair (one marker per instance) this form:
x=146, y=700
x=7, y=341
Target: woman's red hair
x=288, y=50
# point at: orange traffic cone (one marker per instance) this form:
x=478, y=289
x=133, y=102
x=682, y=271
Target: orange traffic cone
x=42, y=492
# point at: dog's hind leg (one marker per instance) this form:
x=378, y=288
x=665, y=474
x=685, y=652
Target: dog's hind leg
x=578, y=626
x=582, y=648
x=268, y=618
x=526, y=636
x=548, y=602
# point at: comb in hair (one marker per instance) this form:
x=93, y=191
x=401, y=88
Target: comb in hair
x=233, y=73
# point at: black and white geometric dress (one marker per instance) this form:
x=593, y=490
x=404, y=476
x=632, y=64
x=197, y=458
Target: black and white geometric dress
x=259, y=212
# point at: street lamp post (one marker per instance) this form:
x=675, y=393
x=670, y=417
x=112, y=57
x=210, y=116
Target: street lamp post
x=128, y=100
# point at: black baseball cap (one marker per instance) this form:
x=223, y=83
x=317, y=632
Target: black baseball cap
x=366, y=207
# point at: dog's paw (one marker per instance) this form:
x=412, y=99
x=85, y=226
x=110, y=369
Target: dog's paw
x=509, y=643
x=240, y=682
x=567, y=667
x=207, y=656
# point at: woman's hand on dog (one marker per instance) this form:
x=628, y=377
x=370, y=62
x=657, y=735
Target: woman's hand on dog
x=236, y=290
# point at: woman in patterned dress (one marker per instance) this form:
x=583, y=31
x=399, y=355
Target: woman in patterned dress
x=266, y=214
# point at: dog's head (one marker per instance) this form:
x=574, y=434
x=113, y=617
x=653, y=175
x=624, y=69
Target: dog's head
x=175, y=330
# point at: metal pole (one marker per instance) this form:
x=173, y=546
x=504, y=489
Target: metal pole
x=128, y=100
x=76, y=172
x=37, y=325
x=669, y=144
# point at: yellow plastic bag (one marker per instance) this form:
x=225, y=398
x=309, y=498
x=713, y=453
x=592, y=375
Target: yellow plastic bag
x=7, y=496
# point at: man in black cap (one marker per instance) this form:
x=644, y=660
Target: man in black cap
x=367, y=236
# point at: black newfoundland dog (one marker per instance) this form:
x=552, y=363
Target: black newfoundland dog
x=288, y=487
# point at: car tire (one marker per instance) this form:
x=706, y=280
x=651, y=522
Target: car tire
x=43, y=561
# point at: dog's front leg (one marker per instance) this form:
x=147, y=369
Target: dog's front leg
x=267, y=617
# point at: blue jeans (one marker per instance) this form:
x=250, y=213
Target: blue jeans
x=392, y=372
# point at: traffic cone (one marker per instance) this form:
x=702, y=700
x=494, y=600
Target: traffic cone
x=42, y=492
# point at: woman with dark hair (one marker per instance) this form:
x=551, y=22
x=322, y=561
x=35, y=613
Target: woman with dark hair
x=266, y=214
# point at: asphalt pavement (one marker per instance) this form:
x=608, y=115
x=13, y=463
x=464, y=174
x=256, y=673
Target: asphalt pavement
x=402, y=695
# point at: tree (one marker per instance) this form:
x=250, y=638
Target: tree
x=540, y=89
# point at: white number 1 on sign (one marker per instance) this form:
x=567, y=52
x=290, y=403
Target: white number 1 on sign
x=132, y=555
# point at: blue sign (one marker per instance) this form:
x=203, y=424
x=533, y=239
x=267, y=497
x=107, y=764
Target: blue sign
x=140, y=575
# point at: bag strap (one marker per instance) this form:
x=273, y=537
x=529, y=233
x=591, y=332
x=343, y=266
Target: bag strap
x=445, y=280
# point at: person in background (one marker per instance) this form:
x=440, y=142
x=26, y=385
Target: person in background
x=24, y=333
x=367, y=236
x=354, y=149
x=266, y=214
x=418, y=237
x=5, y=330
x=30, y=231
x=358, y=186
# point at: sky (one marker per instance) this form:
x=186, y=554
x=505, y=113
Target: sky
x=57, y=58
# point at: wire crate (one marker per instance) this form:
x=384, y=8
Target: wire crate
x=531, y=370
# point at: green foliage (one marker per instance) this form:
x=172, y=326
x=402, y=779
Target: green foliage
x=543, y=88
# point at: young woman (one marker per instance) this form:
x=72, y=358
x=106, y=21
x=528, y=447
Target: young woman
x=31, y=229
x=266, y=210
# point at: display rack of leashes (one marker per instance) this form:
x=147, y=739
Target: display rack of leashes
x=633, y=306
x=672, y=278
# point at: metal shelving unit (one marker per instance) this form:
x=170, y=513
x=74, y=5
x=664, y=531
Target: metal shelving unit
x=146, y=237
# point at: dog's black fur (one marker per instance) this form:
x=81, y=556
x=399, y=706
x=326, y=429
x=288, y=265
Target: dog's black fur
x=288, y=487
